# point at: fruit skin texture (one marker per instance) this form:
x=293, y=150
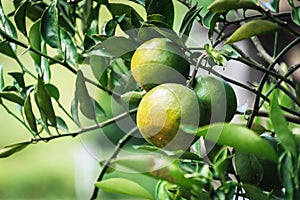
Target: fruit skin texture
x=218, y=98
x=159, y=61
x=163, y=110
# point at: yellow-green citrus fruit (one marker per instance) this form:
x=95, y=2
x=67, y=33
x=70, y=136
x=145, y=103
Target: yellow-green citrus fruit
x=159, y=61
x=163, y=112
x=218, y=98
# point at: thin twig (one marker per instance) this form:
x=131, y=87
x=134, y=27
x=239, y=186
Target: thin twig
x=118, y=147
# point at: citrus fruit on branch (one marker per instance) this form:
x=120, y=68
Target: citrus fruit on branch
x=164, y=110
x=159, y=61
x=218, y=98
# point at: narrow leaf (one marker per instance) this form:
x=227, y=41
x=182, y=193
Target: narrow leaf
x=2, y=84
x=124, y=186
x=252, y=28
x=20, y=17
x=52, y=91
x=49, y=26
x=85, y=101
x=44, y=103
x=280, y=125
x=30, y=118
x=6, y=49
x=19, y=78
x=69, y=48
x=11, y=149
x=12, y=97
x=238, y=137
x=220, y=6
x=61, y=124
x=296, y=15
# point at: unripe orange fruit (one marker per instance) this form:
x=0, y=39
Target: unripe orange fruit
x=218, y=98
x=163, y=112
x=159, y=61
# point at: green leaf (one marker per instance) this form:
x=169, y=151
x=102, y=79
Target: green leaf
x=297, y=91
x=69, y=48
x=52, y=91
x=124, y=186
x=30, y=118
x=82, y=96
x=272, y=5
x=252, y=28
x=255, y=192
x=141, y=2
x=19, y=79
x=61, y=124
x=12, y=97
x=44, y=103
x=236, y=136
x=98, y=109
x=188, y=21
x=2, y=83
x=49, y=26
x=11, y=149
x=163, y=7
x=35, y=41
x=159, y=167
x=74, y=110
x=280, y=125
x=133, y=97
x=20, y=17
x=296, y=15
x=220, y=6
x=6, y=49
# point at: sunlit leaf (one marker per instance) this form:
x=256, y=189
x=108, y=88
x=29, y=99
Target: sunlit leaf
x=69, y=48
x=52, y=91
x=272, y=5
x=252, y=28
x=238, y=137
x=124, y=186
x=280, y=125
x=49, y=26
x=11, y=149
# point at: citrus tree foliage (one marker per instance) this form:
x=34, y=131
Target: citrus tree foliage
x=71, y=35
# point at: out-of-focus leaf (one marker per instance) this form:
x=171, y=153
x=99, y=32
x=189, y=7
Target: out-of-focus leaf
x=159, y=167
x=255, y=192
x=297, y=91
x=52, y=91
x=49, y=26
x=69, y=48
x=280, y=125
x=74, y=110
x=234, y=135
x=124, y=186
x=12, y=97
x=2, y=84
x=163, y=7
x=98, y=109
x=61, y=124
x=11, y=149
x=30, y=118
x=20, y=17
x=296, y=15
x=272, y=5
x=44, y=103
x=141, y=2
x=286, y=174
x=220, y=6
x=252, y=28
x=66, y=18
x=86, y=104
